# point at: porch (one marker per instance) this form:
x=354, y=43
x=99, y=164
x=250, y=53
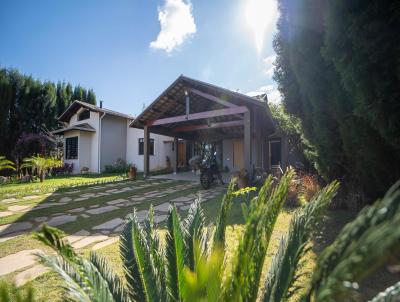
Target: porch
x=195, y=113
x=192, y=176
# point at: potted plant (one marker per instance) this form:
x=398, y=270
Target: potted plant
x=84, y=170
x=132, y=172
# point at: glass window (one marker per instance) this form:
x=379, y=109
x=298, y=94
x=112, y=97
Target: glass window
x=71, y=147
x=141, y=146
x=84, y=115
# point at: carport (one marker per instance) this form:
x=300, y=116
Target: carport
x=196, y=111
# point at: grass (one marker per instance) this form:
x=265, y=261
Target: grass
x=52, y=184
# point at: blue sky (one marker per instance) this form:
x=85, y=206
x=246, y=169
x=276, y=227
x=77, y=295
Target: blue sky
x=130, y=51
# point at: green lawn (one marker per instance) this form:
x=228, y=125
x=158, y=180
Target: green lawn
x=47, y=286
x=52, y=184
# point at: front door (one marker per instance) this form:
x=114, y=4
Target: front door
x=238, y=161
x=181, y=154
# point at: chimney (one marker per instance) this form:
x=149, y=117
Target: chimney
x=101, y=104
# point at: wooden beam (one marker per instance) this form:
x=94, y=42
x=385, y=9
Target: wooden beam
x=213, y=98
x=247, y=144
x=175, y=155
x=208, y=126
x=198, y=116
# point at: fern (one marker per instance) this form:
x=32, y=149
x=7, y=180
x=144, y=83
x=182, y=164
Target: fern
x=282, y=275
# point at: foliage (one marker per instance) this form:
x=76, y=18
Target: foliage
x=120, y=166
x=6, y=164
x=362, y=246
x=31, y=106
x=343, y=86
x=65, y=169
x=192, y=266
x=41, y=164
x=10, y=293
x=29, y=144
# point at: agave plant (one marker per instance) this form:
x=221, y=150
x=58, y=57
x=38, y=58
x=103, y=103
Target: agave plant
x=6, y=164
x=41, y=164
x=191, y=264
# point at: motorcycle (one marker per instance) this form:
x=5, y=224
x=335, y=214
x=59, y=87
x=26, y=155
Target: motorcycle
x=208, y=170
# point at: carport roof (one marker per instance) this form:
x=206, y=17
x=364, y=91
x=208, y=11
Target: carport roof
x=170, y=107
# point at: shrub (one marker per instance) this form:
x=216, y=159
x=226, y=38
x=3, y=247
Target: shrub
x=65, y=169
x=120, y=166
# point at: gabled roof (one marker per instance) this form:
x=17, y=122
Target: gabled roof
x=175, y=92
x=76, y=105
x=80, y=127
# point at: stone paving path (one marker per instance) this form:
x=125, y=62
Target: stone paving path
x=97, y=236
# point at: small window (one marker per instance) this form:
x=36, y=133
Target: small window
x=141, y=146
x=71, y=147
x=84, y=115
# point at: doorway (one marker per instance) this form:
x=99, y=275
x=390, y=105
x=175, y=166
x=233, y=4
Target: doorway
x=238, y=161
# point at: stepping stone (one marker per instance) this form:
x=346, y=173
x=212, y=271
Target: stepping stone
x=184, y=208
x=41, y=219
x=120, y=228
x=6, y=213
x=14, y=227
x=59, y=220
x=183, y=199
x=65, y=199
x=103, y=194
x=88, y=195
x=104, y=243
x=160, y=218
x=29, y=197
x=116, y=201
x=76, y=210
x=84, y=216
x=164, y=207
x=81, y=198
x=30, y=274
x=89, y=240
x=138, y=198
x=14, y=262
x=72, y=192
x=46, y=205
x=142, y=215
x=102, y=210
x=77, y=236
x=94, y=206
x=18, y=208
x=105, y=232
x=8, y=200
x=111, y=191
x=109, y=225
x=11, y=236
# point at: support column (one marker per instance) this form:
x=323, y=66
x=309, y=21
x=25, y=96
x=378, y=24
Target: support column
x=247, y=145
x=146, y=152
x=175, y=155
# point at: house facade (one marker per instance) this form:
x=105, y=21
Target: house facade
x=95, y=137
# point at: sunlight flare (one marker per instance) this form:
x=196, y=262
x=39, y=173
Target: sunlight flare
x=261, y=16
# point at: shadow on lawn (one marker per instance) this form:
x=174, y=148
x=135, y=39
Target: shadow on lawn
x=97, y=210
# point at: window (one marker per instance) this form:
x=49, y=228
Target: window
x=141, y=146
x=84, y=115
x=71, y=147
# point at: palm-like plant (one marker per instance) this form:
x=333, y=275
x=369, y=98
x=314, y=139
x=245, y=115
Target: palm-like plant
x=192, y=266
x=6, y=164
x=41, y=164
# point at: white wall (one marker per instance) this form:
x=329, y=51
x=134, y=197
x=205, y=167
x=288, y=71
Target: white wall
x=162, y=149
x=88, y=143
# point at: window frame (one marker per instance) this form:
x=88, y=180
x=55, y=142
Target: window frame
x=141, y=146
x=83, y=112
x=68, y=147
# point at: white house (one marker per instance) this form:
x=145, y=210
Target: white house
x=95, y=137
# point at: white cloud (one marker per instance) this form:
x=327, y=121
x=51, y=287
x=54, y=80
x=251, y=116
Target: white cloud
x=269, y=65
x=272, y=92
x=177, y=24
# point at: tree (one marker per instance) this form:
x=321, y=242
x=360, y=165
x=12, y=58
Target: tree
x=310, y=49
x=6, y=164
x=41, y=164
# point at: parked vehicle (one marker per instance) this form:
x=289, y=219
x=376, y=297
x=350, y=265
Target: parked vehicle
x=208, y=170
